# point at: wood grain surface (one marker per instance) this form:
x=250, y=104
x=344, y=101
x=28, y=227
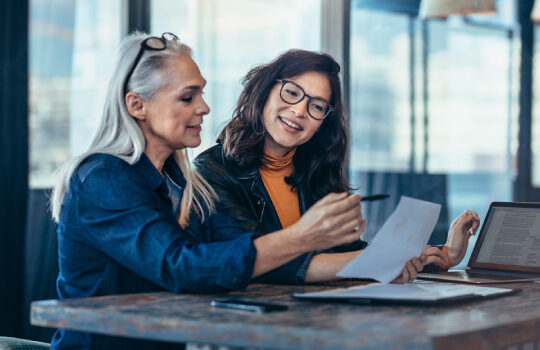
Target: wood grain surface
x=488, y=324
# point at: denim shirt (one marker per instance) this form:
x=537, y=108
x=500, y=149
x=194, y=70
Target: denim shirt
x=118, y=233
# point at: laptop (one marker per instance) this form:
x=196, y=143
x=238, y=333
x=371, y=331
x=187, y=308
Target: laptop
x=507, y=249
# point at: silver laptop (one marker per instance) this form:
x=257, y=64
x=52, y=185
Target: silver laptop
x=507, y=249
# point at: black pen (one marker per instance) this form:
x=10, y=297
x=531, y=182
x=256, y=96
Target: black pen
x=375, y=197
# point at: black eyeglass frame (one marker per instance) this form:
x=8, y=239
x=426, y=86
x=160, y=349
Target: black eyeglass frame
x=167, y=36
x=310, y=98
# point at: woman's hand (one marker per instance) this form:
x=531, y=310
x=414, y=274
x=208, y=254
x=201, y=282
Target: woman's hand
x=435, y=256
x=411, y=269
x=335, y=219
x=458, y=236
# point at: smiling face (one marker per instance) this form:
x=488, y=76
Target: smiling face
x=173, y=117
x=289, y=126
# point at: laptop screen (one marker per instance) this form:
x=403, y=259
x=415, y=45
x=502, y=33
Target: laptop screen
x=509, y=238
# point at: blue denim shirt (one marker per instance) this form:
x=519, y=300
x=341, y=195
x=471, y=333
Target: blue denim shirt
x=118, y=233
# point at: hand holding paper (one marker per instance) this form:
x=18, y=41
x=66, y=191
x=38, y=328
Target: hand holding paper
x=403, y=236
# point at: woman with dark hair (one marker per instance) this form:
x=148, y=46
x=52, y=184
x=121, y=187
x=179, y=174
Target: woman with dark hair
x=284, y=149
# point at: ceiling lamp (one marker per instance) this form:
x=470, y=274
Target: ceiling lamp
x=535, y=14
x=444, y=8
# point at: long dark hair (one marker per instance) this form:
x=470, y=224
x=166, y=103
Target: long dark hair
x=318, y=164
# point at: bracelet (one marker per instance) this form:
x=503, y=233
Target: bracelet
x=449, y=263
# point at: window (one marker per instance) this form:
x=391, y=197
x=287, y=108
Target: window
x=473, y=113
x=230, y=37
x=472, y=105
x=436, y=97
x=73, y=45
x=535, y=130
x=379, y=104
x=72, y=50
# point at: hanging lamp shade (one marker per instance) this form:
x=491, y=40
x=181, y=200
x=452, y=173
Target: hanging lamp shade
x=535, y=14
x=444, y=8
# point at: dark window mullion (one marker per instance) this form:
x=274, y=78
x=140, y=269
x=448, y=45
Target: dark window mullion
x=523, y=190
x=425, y=92
x=412, y=92
x=138, y=16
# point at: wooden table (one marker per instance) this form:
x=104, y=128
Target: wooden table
x=489, y=324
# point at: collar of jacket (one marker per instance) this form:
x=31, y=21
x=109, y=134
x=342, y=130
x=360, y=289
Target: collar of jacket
x=250, y=180
x=251, y=175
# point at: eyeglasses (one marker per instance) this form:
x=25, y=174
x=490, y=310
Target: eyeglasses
x=152, y=43
x=292, y=93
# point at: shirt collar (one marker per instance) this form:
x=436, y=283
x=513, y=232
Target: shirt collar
x=173, y=170
x=152, y=176
x=148, y=172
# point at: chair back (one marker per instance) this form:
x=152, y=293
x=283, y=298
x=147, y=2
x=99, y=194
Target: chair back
x=428, y=187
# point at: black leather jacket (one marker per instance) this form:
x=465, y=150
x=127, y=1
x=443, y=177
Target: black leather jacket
x=242, y=193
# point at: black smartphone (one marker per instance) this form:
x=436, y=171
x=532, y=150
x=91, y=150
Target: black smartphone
x=248, y=305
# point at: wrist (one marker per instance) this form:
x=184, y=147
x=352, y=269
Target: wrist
x=456, y=254
x=292, y=238
x=451, y=258
x=325, y=266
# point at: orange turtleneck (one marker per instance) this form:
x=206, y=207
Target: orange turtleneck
x=273, y=171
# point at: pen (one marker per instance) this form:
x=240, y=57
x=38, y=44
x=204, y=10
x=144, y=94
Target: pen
x=375, y=197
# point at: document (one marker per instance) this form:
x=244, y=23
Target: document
x=513, y=238
x=409, y=292
x=403, y=236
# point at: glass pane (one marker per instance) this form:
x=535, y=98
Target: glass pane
x=72, y=49
x=380, y=87
x=473, y=113
x=535, y=130
x=470, y=99
x=468, y=144
x=230, y=37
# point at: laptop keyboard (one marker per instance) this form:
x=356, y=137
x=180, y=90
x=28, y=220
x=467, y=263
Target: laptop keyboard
x=470, y=274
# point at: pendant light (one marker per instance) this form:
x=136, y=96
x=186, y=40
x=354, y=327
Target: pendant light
x=535, y=14
x=444, y=8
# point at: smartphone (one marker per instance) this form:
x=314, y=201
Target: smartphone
x=248, y=305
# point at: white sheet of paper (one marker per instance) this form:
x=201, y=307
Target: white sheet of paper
x=403, y=236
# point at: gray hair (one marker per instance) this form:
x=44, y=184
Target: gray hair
x=119, y=134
